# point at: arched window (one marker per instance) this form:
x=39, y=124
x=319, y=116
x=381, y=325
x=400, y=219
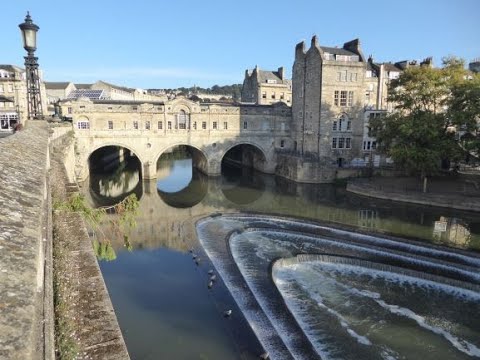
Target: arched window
x=183, y=120
x=342, y=124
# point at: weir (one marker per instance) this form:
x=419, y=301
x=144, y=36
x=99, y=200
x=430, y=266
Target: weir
x=269, y=253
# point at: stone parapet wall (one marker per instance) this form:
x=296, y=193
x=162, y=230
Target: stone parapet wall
x=24, y=212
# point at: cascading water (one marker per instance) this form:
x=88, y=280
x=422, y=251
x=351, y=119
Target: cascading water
x=371, y=297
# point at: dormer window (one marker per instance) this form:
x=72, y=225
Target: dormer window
x=271, y=81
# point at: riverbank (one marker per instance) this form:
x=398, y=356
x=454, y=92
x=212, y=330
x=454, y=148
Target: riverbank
x=453, y=193
x=85, y=322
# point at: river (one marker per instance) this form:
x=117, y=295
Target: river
x=157, y=273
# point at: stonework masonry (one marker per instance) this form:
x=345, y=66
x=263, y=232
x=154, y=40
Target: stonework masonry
x=23, y=239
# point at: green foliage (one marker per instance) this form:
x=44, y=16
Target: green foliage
x=125, y=213
x=430, y=104
x=104, y=250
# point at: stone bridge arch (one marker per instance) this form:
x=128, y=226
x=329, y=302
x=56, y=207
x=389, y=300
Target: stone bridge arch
x=263, y=156
x=82, y=166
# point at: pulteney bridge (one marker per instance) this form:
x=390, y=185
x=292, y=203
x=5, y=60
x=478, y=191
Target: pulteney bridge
x=150, y=129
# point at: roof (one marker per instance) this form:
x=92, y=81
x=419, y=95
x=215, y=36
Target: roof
x=5, y=99
x=391, y=67
x=263, y=76
x=11, y=68
x=56, y=85
x=122, y=88
x=127, y=102
x=83, y=86
x=337, y=51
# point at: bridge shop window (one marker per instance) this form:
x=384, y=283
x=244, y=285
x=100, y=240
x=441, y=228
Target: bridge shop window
x=245, y=124
x=194, y=125
x=169, y=125
x=183, y=120
x=110, y=125
x=204, y=125
x=135, y=125
x=83, y=125
x=225, y=125
x=214, y=125
x=134, y=108
x=160, y=125
x=147, y=125
x=264, y=94
x=282, y=143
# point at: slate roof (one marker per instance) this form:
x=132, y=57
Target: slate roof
x=337, y=51
x=56, y=85
x=391, y=67
x=122, y=88
x=263, y=76
x=11, y=68
x=83, y=86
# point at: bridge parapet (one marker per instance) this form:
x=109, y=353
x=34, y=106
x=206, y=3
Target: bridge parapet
x=23, y=238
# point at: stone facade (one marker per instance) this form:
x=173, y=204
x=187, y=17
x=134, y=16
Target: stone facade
x=13, y=86
x=266, y=87
x=148, y=129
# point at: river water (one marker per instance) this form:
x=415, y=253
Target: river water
x=158, y=277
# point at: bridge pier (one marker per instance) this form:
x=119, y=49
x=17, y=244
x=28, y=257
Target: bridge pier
x=149, y=170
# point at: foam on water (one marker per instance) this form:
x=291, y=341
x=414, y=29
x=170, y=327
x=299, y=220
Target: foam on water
x=284, y=275
x=254, y=249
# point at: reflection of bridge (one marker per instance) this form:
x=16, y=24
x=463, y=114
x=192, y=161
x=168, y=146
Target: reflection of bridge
x=150, y=129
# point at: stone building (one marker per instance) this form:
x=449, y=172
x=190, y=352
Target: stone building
x=13, y=87
x=266, y=87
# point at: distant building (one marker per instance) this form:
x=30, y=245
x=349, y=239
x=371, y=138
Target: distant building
x=266, y=87
x=13, y=89
x=474, y=66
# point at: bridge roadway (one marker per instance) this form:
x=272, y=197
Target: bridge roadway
x=150, y=129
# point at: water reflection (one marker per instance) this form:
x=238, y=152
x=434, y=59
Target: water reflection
x=172, y=302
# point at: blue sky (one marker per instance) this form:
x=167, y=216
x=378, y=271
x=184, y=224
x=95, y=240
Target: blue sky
x=164, y=44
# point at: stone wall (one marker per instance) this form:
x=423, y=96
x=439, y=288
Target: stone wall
x=24, y=209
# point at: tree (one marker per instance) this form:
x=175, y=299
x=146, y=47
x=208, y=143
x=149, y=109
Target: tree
x=430, y=105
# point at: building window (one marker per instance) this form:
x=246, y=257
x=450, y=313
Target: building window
x=245, y=125
x=353, y=77
x=135, y=125
x=194, y=125
x=264, y=94
x=160, y=125
x=225, y=125
x=10, y=87
x=334, y=127
x=348, y=143
x=70, y=110
x=349, y=125
x=182, y=119
x=341, y=143
x=134, y=108
x=343, y=98
x=334, y=143
x=204, y=125
x=169, y=125
x=374, y=145
x=214, y=125
x=83, y=125
x=1, y=88
x=282, y=96
x=350, y=98
x=110, y=125
x=147, y=125
x=282, y=143
x=273, y=96
x=335, y=97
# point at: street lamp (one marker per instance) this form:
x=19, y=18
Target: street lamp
x=34, y=99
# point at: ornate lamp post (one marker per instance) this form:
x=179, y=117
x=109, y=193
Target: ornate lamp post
x=34, y=100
